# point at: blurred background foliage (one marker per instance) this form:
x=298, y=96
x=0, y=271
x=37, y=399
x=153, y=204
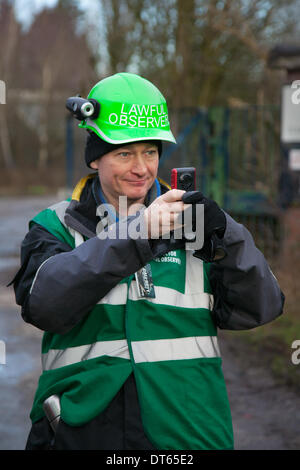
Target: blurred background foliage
x=200, y=53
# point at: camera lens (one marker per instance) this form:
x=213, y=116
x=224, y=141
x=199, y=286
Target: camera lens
x=187, y=180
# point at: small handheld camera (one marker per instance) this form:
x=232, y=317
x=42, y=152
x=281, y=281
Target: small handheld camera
x=184, y=178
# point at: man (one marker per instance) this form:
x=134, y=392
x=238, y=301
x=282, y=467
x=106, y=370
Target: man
x=130, y=346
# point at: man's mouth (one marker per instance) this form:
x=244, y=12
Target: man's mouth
x=136, y=182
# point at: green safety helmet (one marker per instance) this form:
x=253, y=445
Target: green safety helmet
x=131, y=109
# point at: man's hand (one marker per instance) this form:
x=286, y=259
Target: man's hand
x=214, y=217
x=161, y=215
x=214, y=227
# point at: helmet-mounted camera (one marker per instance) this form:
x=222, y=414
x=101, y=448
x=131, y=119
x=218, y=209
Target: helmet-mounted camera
x=82, y=108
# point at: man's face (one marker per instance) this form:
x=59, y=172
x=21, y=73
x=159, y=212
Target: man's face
x=128, y=171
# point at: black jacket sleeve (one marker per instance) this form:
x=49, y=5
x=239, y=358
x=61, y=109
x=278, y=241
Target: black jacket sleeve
x=246, y=292
x=58, y=286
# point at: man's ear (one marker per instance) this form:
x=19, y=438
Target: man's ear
x=94, y=164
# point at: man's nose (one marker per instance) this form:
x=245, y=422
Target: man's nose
x=139, y=165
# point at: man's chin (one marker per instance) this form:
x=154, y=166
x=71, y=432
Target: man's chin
x=136, y=197
x=136, y=194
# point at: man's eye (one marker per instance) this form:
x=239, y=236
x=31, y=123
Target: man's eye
x=151, y=153
x=124, y=154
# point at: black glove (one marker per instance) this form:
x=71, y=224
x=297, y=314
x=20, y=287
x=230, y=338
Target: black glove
x=214, y=227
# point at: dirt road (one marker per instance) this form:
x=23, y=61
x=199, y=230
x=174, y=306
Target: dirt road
x=265, y=415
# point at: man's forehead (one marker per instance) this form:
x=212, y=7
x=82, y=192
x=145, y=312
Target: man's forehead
x=138, y=145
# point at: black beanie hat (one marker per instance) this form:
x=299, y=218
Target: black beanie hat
x=96, y=147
